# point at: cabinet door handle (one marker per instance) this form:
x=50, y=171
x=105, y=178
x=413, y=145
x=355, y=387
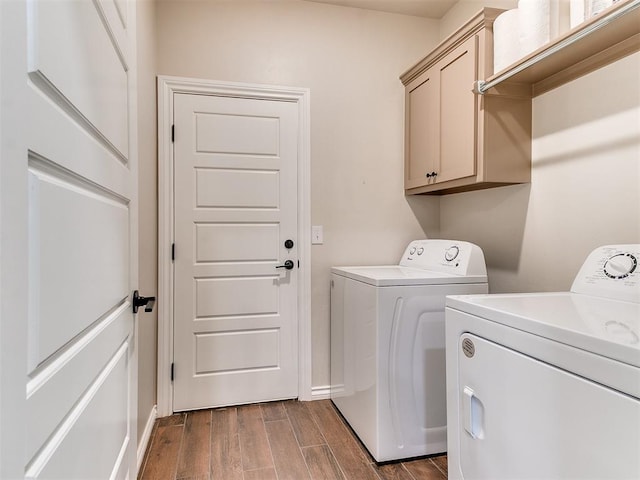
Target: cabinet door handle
x=428, y=175
x=434, y=174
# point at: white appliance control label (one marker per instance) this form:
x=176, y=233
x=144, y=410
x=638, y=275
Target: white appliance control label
x=611, y=271
x=445, y=256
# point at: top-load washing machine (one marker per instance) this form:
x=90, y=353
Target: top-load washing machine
x=547, y=385
x=387, y=345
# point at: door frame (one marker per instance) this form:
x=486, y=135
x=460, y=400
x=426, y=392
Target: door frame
x=14, y=235
x=167, y=87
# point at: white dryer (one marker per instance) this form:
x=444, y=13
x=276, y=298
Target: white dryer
x=387, y=345
x=547, y=385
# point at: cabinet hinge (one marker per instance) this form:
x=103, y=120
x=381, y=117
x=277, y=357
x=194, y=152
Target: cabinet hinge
x=172, y=372
x=173, y=133
x=173, y=252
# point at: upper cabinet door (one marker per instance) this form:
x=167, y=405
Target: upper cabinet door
x=457, y=71
x=422, y=129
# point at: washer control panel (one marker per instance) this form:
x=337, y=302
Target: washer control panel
x=447, y=256
x=452, y=253
x=620, y=265
x=611, y=271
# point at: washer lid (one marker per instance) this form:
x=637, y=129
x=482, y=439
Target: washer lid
x=396, y=275
x=607, y=327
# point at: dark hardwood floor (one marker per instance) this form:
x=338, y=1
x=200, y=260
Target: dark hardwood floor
x=288, y=440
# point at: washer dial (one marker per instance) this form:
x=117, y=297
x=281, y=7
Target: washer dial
x=620, y=266
x=451, y=253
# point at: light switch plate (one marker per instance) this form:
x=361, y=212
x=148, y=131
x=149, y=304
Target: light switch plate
x=316, y=235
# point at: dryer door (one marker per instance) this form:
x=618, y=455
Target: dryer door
x=523, y=419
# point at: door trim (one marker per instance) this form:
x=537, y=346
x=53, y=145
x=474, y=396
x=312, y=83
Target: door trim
x=14, y=238
x=167, y=87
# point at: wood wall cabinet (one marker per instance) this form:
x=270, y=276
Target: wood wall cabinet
x=456, y=140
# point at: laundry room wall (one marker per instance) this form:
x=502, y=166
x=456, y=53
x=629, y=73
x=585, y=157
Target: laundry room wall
x=351, y=60
x=463, y=10
x=584, y=190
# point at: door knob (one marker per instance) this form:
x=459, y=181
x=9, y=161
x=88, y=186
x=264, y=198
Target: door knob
x=146, y=302
x=288, y=244
x=288, y=264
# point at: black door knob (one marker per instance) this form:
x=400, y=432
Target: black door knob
x=288, y=264
x=146, y=302
x=288, y=244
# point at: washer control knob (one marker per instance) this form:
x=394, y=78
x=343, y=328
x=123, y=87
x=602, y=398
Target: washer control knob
x=451, y=253
x=420, y=251
x=412, y=251
x=620, y=266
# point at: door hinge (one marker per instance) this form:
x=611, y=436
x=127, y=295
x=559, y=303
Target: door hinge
x=173, y=133
x=172, y=371
x=173, y=252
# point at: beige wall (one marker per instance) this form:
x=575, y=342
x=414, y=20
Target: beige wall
x=351, y=60
x=147, y=196
x=463, y=10
x=584, y=191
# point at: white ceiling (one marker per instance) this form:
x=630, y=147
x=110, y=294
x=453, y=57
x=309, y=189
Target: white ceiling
x=420, y=8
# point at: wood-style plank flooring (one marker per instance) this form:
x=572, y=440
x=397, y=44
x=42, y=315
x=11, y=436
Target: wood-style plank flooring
x=287, y=440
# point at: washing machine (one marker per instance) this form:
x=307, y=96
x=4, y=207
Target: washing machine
x=547, y=385
x=387, y=345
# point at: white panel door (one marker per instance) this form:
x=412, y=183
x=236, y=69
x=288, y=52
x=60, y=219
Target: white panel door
x=235, y=201
x=75, y=179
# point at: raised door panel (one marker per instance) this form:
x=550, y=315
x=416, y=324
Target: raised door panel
x=102, y=413
x=220, y=297
x=223, y=242
x=421, y=143
x=224, y=352
x=88, y=77
x=79, y=254
x=237, y=134
x=222, y=188
x=457, y=139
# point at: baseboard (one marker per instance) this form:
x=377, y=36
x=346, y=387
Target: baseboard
x=146, y=435
x=320, y=392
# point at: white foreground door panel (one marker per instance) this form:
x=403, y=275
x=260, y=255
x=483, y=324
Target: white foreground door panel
x=235, y=320
x=75, y=179
x=519, y=418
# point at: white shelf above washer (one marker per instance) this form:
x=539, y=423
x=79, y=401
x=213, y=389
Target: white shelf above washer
x=612, y=34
